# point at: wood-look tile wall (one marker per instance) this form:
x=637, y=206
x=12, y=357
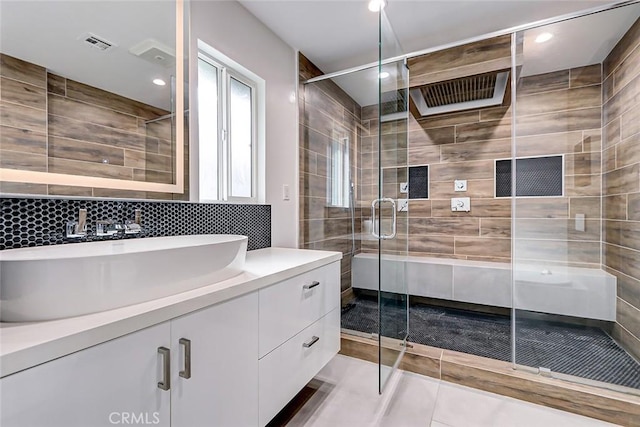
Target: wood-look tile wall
x=557, y=113
x=621, y=179
x=327, y=114
x=52, y=124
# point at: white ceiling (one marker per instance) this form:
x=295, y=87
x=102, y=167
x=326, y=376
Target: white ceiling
x=46, y=33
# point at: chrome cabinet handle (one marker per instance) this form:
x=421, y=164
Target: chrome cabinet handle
x=165, y=384
x=376, y=233
x=314, y=340
x=311, y=286
x=186, y=372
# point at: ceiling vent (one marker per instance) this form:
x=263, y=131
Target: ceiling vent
x=97, y=42
x=464, y=93
x=155, y=52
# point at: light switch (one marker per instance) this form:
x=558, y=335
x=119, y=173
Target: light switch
x=460, y=185
x=461, y=204
x=580, y=224
x=403, y=205
x=286, y=193
x=404, y=187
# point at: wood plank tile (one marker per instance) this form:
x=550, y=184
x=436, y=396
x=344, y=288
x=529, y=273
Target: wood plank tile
x=562, y=121
x=56, y=84
x=495, y=113
x=423, y=360
x=483, y=131
x=432, y=136
x=582, y=185
x=622, y=49
x=67, y=190
x=482, y=169
x=543, y=82
x=23, y=161
x=611, y=133
x=427, y=68
x=557, y=229
x=615, y=207
x=622, y=233
x=624, y=180
x=148, y=175
x=495, y=227
x=482, y=246
x=423, y=154
x=622, y=100
x=22, y=93
x=582, y=164
x=419, y=208
x=80, y=130
x=628, y=151
x=23, y=71
x=628, y=316
x=555, y=143
x=73, y=167
x=587, y=206
x=20, y=117
x=628, y=70
x=557, y=250
x=482, y=150
x=476, y=188
x=609, y=159
x=592, y=140
x=561, y=100
x=585, y=76
x=159, y=162
x=459, y=226
x=73, y=149
x=607, y=88
x=22, y=140
x=500, y=377
x=432, y=244
x=95, y=96
x=628, y=287
x=66, y=107
x=119, y=194
x=542, y=208
x=634, y=207
x=7, y=187
x=630, y=122
x=480, y=208
x=444, y=120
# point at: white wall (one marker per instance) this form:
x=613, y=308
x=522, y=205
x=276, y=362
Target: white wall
x=229, y=28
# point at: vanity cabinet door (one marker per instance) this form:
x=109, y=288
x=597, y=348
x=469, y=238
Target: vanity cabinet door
x=222, y=388
x=111, y=383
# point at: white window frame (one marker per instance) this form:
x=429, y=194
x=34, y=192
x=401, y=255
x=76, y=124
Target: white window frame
x=224, y=190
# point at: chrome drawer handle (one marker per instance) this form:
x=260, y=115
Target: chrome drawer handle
x=311, y=286
x=186, y=373
x=314, y=340
x=165, y=384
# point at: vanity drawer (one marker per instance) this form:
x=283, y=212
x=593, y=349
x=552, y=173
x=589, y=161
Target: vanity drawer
x=288, y=307
x=287, y=369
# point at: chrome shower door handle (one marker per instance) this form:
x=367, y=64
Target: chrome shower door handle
x=376, y=233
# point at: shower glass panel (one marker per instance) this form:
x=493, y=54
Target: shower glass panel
x=390, y=208
x=576, y=229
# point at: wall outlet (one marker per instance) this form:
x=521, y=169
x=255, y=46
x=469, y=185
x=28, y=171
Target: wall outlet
x=403, y=205
x=461, y=204
x=404, y=187
x=460, y=185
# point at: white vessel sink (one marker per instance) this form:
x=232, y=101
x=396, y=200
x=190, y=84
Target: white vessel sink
x=52, y=282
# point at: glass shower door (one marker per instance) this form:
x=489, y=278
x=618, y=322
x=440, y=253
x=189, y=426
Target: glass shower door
x=389, y=210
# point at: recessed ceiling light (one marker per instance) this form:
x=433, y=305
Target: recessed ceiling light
x=159, y=82
x=377, y=5
x=383, y=75
x=544, y=37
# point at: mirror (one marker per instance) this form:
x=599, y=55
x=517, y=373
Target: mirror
x=89, y=96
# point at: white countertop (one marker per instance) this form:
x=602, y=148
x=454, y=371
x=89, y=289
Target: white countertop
x=24, y=345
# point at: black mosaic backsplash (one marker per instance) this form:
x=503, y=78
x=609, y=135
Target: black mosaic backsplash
x=39, y=222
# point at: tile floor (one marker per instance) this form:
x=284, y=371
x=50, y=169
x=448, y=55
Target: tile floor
x=345, y=394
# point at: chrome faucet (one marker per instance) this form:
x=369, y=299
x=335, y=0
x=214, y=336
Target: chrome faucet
x=134, y=226
x=77, y=229
x=107, y=227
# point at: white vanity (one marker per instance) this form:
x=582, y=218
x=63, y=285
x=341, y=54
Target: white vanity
x=232, y=353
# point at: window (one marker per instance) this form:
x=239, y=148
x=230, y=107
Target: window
x=339, y=180
x=227, y=116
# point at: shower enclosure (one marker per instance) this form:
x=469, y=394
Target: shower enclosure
x=486, y=196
